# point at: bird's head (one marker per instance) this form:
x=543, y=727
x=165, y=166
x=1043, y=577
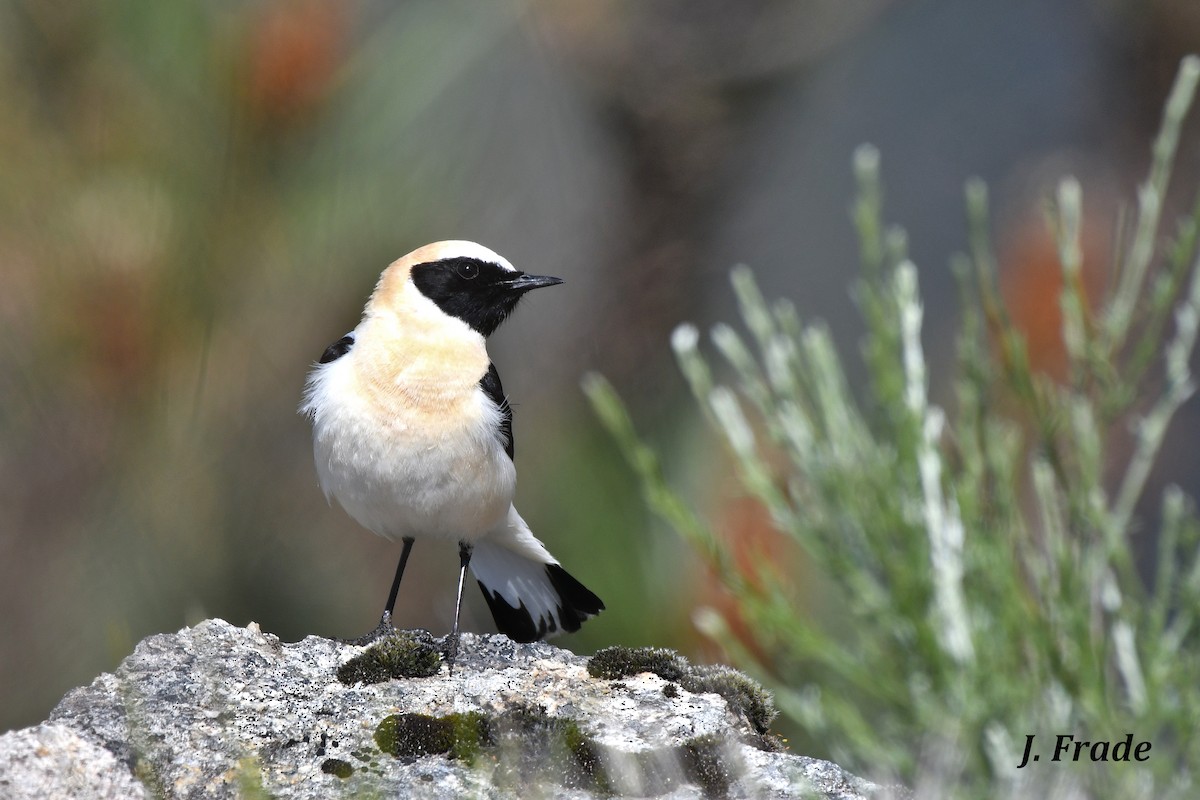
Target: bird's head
x=463, y=280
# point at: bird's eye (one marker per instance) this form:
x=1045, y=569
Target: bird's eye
x=467, y=270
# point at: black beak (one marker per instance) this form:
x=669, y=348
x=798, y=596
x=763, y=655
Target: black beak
x=524, y=283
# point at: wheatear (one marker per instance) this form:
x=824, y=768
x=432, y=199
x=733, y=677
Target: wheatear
x=412, y=433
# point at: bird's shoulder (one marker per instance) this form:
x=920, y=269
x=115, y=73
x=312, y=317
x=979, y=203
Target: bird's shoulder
x=494, y=391
x=337, y=349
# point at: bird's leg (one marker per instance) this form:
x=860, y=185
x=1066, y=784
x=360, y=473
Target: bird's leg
x=464, y=558
x=391, y=601
x=385, y=627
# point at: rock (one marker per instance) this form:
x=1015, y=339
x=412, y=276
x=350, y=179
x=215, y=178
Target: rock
x=217, y=711
x=51, y=760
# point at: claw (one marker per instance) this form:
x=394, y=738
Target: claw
x=384, y=629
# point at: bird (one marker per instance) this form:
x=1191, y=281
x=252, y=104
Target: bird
x=413, y=436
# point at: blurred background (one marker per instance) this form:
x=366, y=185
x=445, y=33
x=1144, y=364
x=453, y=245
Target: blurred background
x=197, y=197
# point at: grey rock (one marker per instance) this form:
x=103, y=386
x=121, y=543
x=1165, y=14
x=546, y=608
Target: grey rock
x=51, y=760
x=217, y=711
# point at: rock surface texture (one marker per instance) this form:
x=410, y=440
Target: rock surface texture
x=217, y=711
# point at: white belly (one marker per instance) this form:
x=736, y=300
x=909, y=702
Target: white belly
x=399, y=475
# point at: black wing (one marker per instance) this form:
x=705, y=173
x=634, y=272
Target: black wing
x=338, y=349
x=490, y=383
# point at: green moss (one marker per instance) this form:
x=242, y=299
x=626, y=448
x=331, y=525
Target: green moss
x=460, y=736
x=704, y=763
x=414, y=735
x=527, y=747
x=471, y=732
x=532, y=746
x=584, y=753
x=742, y=694
x=335, y=766
x=550, y=749
x=407, y=654
x=612, y=663
x=767, y=742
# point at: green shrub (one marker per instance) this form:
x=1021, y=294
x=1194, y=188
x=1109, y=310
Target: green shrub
x=981, y=562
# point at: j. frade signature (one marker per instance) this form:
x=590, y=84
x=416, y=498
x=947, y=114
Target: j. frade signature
x=1068, y=748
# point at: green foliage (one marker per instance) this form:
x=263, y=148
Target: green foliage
x=981, y=562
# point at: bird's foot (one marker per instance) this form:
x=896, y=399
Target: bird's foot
x=450, y=651
x=384, y=629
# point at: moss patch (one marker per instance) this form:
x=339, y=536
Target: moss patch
x=335, y=766
x=741, y=694
x=548, y=749
x=705, y=764
x=613, y=663
x=407, y=654
x=471, y=733
x=414, y=735
x=525, y=746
